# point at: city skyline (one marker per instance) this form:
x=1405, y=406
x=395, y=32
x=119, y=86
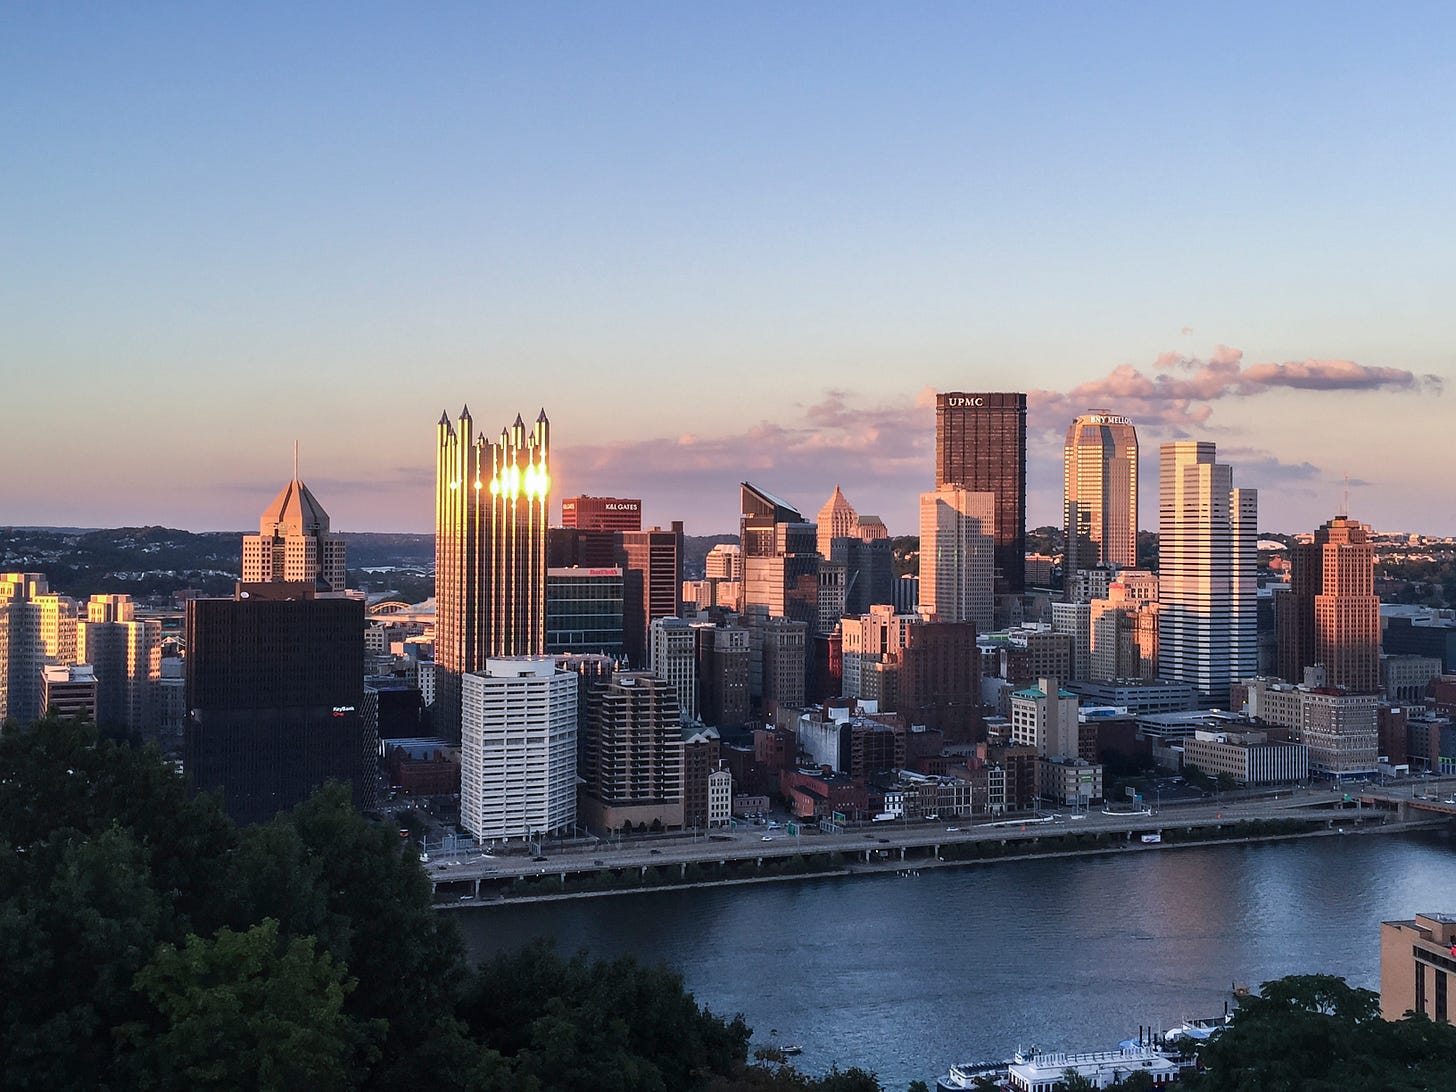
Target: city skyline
x=733, y=245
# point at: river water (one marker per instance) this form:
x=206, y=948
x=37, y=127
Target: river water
x=905, y=975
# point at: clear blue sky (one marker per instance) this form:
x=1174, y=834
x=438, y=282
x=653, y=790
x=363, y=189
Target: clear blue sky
x=715, y=242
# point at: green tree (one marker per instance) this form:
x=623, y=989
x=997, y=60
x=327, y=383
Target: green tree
x=246, y=1010
x=1316, y=1032
x=613, y=1025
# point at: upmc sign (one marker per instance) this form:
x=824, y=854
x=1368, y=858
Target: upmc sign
x=961, y=400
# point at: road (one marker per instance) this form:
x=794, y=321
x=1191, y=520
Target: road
x=755, y=841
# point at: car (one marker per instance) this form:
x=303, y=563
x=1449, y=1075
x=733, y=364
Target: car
x=538, y=859
x=766, y=838
x=1079, y=817
x=467, y=898
x=655, y=852
x=952, y=830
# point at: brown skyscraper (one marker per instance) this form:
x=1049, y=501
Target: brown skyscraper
x=1331, y=615
x=491, y=505
x=651, y=563
x=980, y=445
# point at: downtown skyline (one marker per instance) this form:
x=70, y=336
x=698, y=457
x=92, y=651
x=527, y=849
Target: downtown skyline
x=717, y=247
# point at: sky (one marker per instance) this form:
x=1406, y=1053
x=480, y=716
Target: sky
x=717, y=243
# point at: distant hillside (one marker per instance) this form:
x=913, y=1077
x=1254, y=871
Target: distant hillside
x=155, y=562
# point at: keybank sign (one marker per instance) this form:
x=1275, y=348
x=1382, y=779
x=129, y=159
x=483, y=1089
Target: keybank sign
x=958, y=400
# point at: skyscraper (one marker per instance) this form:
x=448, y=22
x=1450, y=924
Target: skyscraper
x=1331, y=614
x=1100, y=492
x=634, y=754
x=780, y=559
x=1207, y=553
x=293, y=542
x=127, y=656
x=518, y=748
x=37, y=627
x=980, y=445
x=492, y=500
x=837, y=519
x=651, y=563
x=957, y=556
x=674, y=661
x=602, y=513
x=275, y=681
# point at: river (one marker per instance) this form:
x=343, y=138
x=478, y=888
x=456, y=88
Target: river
x=905, y=975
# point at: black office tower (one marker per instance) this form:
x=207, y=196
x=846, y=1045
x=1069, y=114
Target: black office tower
x=274, y=685
x=980, y=445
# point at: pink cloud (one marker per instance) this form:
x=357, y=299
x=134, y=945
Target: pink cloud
x=1180, y=390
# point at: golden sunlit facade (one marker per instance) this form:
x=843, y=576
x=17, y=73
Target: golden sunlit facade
x=492, y=500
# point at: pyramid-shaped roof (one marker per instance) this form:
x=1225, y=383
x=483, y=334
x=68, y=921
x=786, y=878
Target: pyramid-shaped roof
x=837, y=502
x=294, y=511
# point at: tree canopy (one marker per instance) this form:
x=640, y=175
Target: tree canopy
x=148, y=943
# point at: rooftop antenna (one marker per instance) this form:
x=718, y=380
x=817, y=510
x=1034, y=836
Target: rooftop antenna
x=1346, y=512
x=295, y=460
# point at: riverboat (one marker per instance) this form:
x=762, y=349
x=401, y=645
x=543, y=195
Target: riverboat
x=1164, y=1054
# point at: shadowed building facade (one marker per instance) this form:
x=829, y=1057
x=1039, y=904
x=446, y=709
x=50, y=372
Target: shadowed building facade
x=274, y=689
x=492, y=499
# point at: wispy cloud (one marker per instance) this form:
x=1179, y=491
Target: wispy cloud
x=1178, y=391
x=879, y=448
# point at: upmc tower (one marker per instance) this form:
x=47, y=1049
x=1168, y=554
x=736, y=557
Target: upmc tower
x=980, y=445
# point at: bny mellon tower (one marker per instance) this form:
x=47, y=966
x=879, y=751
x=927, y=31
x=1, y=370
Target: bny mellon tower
x=492, y=499
x=1100, y=489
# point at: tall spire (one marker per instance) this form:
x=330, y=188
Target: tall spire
x=295, y=460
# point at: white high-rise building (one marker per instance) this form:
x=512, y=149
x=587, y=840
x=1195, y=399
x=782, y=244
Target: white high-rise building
x=518, y=748
x=1207, y=554
x=957, y=556
x=672, y=654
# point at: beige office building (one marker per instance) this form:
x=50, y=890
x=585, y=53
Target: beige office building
x=1417, y=963
x=293, y=542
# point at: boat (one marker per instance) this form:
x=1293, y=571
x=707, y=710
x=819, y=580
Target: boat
x=792, y=1049
x=1172, y=1049
x=964, y=1075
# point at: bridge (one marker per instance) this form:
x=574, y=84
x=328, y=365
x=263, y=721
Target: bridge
x=1410, y=805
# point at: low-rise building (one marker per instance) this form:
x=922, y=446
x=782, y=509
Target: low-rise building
x=1069, y=782
x=1247, y=757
